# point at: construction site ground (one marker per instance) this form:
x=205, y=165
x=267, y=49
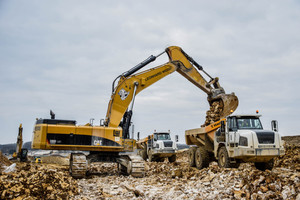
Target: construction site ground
x=163, y=180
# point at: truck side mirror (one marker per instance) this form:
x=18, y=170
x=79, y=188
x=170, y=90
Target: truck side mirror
x=176, y=138
x=274, y=125
x=222, y=129
x=138, y=136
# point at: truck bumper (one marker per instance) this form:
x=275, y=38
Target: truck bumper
x=163, y=153
x=257, y=154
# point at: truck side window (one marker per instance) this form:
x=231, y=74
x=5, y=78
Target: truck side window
x=229, y=123
x=232, y=124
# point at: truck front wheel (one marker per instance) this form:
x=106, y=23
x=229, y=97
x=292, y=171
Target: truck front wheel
x=223, y=158
x=265, y=165
x=201, y=158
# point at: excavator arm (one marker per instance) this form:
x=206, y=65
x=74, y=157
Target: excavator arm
x=131, y=83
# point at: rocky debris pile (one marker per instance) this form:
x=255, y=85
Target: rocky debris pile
x=182, y=155
x=55, y=160
x=280, y=183
x=214, y=113
x=4, y=162
x=177, y=180
x=291, y=159
x=103, y=169
x=33, y=181
x=292, y=140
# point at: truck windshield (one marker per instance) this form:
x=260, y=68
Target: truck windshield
x=163, y=136
x=249, y=123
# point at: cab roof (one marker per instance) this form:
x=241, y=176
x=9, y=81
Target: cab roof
x=241, y=116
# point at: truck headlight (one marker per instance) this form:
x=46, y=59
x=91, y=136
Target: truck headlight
x=243, y=141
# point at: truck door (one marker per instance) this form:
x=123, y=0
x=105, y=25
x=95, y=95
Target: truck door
x=232, y=129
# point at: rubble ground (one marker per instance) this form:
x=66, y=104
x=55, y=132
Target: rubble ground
x=179, y=181
x=163, y=180
x=37, y=181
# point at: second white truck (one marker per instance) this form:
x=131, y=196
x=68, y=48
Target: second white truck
x=157, y=147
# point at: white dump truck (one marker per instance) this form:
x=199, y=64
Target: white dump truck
x=233, y=140
x=157, y=147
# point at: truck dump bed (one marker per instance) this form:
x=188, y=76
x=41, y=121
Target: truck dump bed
x=199, y=136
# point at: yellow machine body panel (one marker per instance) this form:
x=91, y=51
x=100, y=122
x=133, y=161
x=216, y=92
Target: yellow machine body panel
x=123, y=95
x=86, y=138
x=197, y=136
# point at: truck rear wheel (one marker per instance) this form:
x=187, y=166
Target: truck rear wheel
x=201, y=158
x=265, y=165
x=223, y=158
x=172, y=158
x=192, y=162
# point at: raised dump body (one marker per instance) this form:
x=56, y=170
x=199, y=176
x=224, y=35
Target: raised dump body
x=233, y=140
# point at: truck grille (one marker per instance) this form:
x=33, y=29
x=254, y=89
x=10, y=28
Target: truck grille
x=265, y=137
x=168, y=143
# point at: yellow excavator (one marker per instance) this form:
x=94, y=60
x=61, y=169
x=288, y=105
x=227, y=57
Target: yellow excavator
x=21, y=153
x=110, y=141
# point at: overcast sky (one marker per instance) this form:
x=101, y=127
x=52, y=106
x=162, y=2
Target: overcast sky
x=64, y=55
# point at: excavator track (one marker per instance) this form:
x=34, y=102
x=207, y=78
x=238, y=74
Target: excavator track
x=131, y=165
x=78, y=165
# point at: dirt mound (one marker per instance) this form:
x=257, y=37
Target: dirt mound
x=55, y=160
x=4, y=162
x=292, y=140
x=177, y=180
x=291, y=159
x=33, y=181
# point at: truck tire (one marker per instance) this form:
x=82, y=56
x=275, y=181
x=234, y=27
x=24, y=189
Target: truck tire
x=172, y=158
x=265, y=165
x=223, y=158
x=192, y=162
x=201, y=158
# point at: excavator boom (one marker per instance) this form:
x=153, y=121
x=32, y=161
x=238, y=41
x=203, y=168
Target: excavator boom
x=131, y=84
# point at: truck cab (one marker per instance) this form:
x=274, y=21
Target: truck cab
x=157, y=147
x=162, y=143
x=245, y=140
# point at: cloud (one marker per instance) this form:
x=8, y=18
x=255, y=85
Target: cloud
x=64, y=55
